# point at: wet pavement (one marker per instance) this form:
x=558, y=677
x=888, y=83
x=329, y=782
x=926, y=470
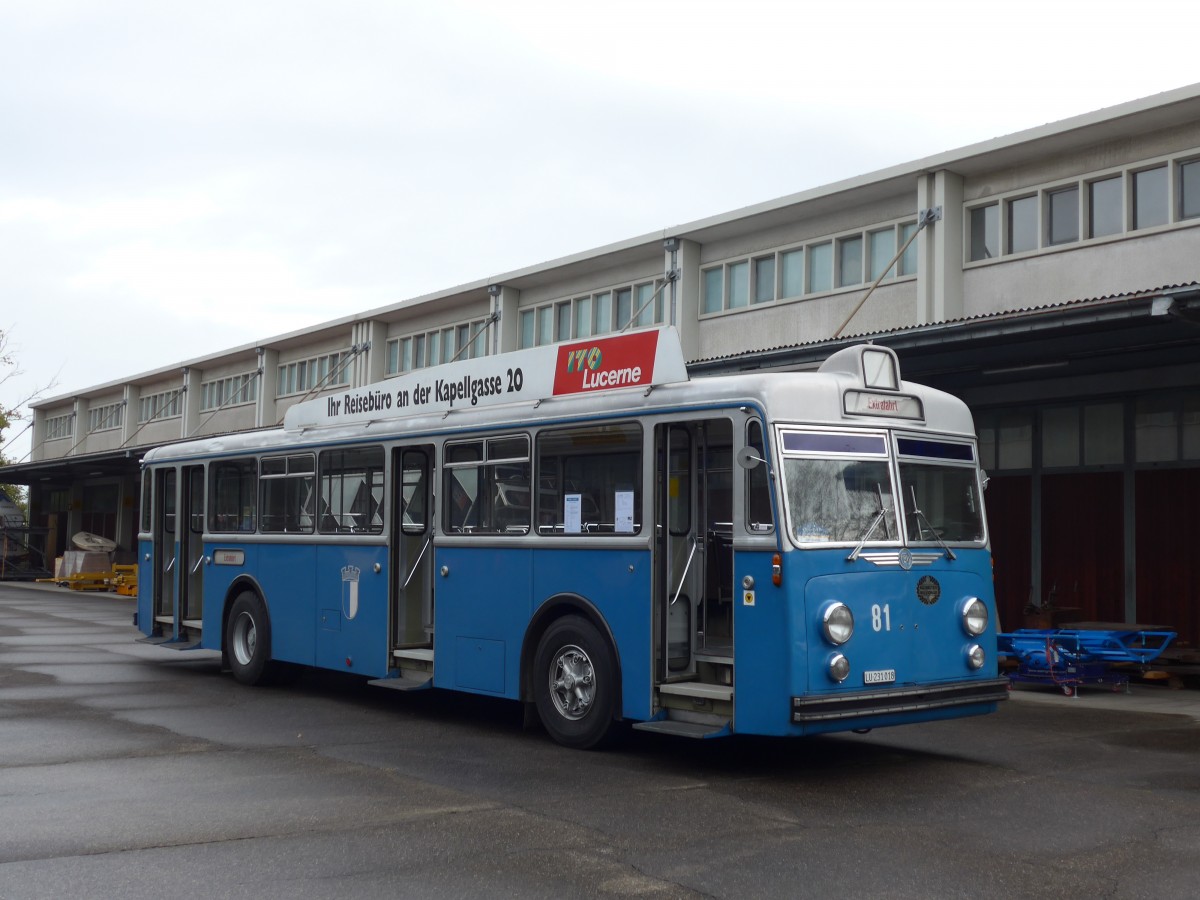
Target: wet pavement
x=128, y=770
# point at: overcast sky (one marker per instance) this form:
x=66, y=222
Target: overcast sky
x=178, y=178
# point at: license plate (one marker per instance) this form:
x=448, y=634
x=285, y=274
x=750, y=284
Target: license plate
x=879, y=676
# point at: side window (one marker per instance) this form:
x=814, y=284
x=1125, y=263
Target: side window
x=590, y=480
x=758, y=492
x=233, y=495
x=147, y=495
x=487, y=486
x=288, y=492
x=352, y=491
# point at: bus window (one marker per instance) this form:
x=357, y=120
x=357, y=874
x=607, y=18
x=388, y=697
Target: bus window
x=846, y=496
x=590, y=480
x=233, y=495
x=287, y=494
x=758, y=492
x=147, y=484
x=352, y=491
x=487, y=486
x=940, y=491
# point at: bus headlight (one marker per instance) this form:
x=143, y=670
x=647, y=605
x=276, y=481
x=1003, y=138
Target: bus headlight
x=974, y=616
x=837, y=623
x=975, y=657
x=839, y=668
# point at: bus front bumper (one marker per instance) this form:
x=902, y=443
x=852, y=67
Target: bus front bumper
x=861, y=704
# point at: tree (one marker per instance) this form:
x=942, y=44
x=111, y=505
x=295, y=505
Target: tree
x=13, y=413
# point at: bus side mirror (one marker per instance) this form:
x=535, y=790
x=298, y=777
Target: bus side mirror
x=748, y=459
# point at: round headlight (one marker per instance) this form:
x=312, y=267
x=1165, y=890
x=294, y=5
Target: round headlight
x=838, y=623
x=975, y=616
x=975, y=657
x=839, y=668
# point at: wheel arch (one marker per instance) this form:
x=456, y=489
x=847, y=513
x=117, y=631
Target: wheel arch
x=547, y=614
x=239, y=584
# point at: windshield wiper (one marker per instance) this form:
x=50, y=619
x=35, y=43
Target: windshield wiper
x=917, y=512
x=879, y=517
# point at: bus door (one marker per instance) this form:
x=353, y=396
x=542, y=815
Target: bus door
x=412, y=558
x=191, y=547
x=694, y=550
x=166, y=550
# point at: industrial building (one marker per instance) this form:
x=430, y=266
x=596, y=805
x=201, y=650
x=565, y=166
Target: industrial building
x=1050, y=278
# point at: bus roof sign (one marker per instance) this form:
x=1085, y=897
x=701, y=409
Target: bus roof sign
x=641, y=359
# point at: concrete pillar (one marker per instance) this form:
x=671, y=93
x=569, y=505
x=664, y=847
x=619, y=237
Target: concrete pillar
x=683, y=296
x=265, y=413
x=129, y=425
x=79, y=434
x=506, y=331
x=940, y=249
x=190, y=401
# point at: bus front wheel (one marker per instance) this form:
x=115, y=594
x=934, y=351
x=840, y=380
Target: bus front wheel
x=575, y=683
x=248, y=639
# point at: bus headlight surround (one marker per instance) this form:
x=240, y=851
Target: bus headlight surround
x=974, y=616
x=838, y=668
x=837, y=623
x=975, y=657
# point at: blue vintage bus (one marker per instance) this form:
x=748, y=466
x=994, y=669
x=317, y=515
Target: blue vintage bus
x=584, y=529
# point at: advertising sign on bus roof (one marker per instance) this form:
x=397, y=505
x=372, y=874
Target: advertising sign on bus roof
x=638, y=360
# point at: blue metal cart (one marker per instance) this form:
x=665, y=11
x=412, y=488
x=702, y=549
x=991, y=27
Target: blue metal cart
x=1086, y=654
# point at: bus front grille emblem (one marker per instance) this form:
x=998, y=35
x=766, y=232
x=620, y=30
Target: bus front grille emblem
x=928, y=590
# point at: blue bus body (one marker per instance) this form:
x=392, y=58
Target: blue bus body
x=753, y=566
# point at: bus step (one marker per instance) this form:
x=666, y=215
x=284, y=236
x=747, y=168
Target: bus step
x=423, y=681
x=169, y=643
x=697, y=730
x=420, y=654
x=698, y=690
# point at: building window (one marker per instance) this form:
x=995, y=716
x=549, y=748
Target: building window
x=850, y=261
x=58, y=427
x=908, y=262
x=1156, y=429
x=1150, y=197
x=1103, y=434
x=603, y=312
x=165, y=405
x=820, y=267
x=1063, y=225
x=791, y=264
x=103, y=418
x=1189, y=189
x=317, y=373
x=714, y=289
x=436, y=347
x=229, y=391
x=1060, y=437
x=1105, y=207
x=882, y=249
x=739, y=284
x=764, y=279
x=985, y=232
x=1023, y=224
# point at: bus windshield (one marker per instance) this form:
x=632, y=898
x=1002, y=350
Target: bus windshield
x=839, y=499
x=941, y=502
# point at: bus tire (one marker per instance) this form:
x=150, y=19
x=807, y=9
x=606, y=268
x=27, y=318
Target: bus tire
x=248, y=639
x=575, y=681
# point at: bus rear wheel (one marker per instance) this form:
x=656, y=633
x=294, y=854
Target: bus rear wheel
x=575, y=683
x=248, y=639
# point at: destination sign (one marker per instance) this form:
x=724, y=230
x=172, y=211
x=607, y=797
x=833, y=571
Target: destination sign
x=895, y=406
x=640, y=359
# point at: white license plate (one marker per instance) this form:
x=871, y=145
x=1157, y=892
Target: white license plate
x=879, y=676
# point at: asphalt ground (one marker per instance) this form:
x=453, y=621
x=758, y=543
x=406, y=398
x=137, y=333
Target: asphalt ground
x=131, y=771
